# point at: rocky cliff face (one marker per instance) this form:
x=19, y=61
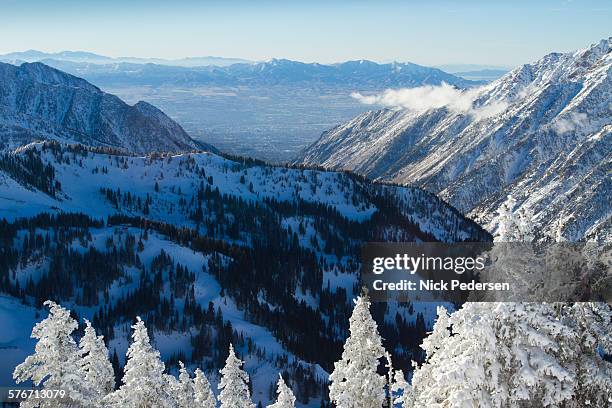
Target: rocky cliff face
x=37, y=101
x=541, y=133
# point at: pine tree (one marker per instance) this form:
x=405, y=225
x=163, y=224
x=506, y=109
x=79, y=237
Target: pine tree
x=204, y=396
x=172, y=389
x=234, y=384
x=517, y=354
x=510, y=354
x=55, y=363
x=590, y=322
x=185, y=393
x=143, y=381
x=401, y=391
x=355, y=382
x=513, y=225
x=99, y=373
x=285, y=398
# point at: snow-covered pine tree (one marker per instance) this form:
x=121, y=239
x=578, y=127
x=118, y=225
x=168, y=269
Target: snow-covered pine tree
x=542, y=353
x=184, y=390
x=585, y=332
x=99, y=373
x=234, y=384
x=285, y=398
x=143, y=381
x=496, y=353
x=513, y=354
x=401, y=391
x=172, y=389
x=355, y=382
x=513, y=225
x=458, y=369
x=55, y=363
x=204, y=396
x=515, y=259
x=591, y=323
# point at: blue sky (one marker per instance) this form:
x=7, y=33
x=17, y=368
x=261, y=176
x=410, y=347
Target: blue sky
x=426, y=32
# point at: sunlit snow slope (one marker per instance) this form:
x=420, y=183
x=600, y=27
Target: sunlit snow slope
x=39, y=102
x=541, y=133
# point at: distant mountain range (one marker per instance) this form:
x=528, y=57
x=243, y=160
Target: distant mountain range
x=453, y=68
x=475, y=72
x=40, y=102
x=91, y=58
x=482, y=74
x=541, y=133
x=363, y=74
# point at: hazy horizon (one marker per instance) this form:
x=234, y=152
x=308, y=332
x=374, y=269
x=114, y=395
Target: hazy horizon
x=431, y=34
x=455, y=65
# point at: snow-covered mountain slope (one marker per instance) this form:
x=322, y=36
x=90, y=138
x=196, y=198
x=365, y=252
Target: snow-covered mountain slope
x=40, y=102
x=90, y=169
x=541, y=133
x=174, y=340
x=210, y=250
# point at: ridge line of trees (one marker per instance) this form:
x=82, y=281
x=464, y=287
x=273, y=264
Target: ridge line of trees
x=485, y=354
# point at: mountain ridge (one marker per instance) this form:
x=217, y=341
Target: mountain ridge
x=41, y=102
x=93, y=58
x=552, y=112
x=80, y=62
x=359, y=73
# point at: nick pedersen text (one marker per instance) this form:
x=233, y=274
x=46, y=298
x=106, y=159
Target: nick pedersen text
x=439, y=286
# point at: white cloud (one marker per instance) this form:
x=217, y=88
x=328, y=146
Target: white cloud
x=428, y=97
x=570, y=123
x=489, y=110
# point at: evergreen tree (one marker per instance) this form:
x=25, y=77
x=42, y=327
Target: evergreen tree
x=55, y=363
x=185, y=393
x=517, y=354
x=204, y=396
x=401, y=391
x=586, y=340
x=355, y=382
x=234, y=384
x=513, y=225
x=511, y=354
x=285, y=398
x=143, y=381
x=99, y=373
x=172, y=389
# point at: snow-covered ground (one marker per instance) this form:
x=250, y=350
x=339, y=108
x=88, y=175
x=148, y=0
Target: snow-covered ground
x=168, y=185
x=16, y=322
x=17, y=319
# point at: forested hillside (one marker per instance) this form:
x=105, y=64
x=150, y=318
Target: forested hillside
x=209, y=251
